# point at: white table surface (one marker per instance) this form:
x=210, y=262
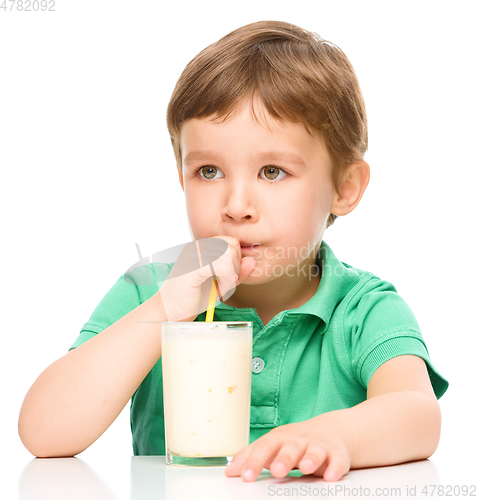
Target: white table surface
x=107, y=471
x=148, y=477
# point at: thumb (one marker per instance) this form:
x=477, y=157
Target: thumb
x=248, y=264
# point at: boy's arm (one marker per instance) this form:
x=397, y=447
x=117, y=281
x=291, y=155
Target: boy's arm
x=78, y=397
x=399, y=422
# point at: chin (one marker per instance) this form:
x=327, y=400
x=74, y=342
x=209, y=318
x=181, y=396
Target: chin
x=258, y=278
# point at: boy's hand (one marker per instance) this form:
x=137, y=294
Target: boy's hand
x=243, y=266
x=300, y=445
x=185, y=293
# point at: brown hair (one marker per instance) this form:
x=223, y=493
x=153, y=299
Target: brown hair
x=298, y=76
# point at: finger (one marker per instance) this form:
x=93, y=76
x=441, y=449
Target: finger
x=339, y=465
x=248, y=264
x=232, y=241
x=219, y=248
x=196, y=278
x=313, y=458
x=234, y=246
x=225, y=275
x=261, y=455
x=229, y=261
x=235, y=466
x=288, y=457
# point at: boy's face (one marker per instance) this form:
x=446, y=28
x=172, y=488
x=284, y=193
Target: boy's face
x=269, y=184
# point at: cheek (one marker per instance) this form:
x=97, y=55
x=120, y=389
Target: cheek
x=199, y=210
x=303, y=221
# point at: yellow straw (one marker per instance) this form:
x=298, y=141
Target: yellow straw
x=212, y=301
x=212, y=294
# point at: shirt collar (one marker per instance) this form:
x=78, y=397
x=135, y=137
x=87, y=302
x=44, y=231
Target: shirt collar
x=337, y=278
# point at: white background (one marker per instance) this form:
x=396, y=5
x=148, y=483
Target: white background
x=88, y=171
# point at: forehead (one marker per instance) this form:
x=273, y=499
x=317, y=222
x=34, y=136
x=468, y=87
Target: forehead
x=255, y=111
x=250, y=128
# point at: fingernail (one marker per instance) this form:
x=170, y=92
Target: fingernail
x=236, y=276
x=248, y=475
x=280, y=466
x=332, y=476
x=307, y=464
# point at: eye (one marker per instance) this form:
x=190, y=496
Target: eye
x=208, y=172
x=272, y=173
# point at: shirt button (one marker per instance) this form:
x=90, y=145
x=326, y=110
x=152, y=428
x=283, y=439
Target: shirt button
x=257, y=365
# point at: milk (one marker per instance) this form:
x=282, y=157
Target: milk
x=206, y=387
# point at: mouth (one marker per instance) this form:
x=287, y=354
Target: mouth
x=249, y=246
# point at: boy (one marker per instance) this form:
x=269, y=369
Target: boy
x=269, y=131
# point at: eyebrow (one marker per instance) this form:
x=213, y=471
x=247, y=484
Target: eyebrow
x=199, y=156
x=282, y=156
x=266, y=156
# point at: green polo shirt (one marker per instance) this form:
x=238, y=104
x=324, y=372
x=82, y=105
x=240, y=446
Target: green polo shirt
x=313, y=359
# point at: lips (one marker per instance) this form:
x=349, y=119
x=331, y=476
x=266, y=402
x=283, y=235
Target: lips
x=247, y=244
x=250, y=248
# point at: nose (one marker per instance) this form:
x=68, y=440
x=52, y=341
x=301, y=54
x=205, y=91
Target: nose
x=238, y=203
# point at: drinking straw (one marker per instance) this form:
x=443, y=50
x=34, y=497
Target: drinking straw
x=212, y=294
x=212, y=301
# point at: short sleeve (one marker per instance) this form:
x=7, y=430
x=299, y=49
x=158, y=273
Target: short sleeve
x=382, y=326
x=130, y=291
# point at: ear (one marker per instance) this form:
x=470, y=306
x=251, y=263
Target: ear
x=181, y=180
x=357, y=176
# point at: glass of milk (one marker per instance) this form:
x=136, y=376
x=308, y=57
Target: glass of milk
x=207, y=390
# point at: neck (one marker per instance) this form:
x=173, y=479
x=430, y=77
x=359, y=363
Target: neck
x=281, y=293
